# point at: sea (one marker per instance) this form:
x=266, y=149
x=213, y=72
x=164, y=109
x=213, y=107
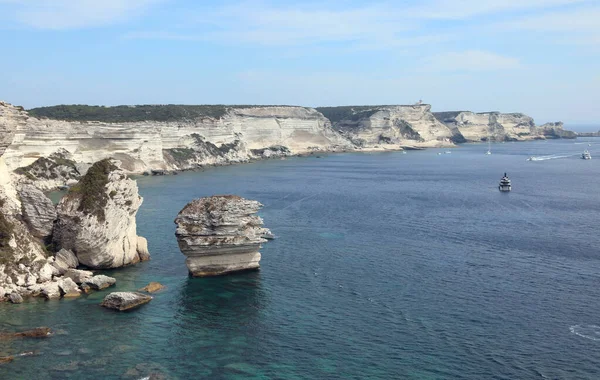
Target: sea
x=386, y=265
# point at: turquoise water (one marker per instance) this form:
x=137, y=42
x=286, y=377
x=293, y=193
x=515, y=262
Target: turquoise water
x=386, y=266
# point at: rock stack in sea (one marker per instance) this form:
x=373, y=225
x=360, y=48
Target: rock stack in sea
x=96, y=219
x=220, y=234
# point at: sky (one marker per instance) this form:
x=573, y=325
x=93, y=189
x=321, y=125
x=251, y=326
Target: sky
x=539, y=57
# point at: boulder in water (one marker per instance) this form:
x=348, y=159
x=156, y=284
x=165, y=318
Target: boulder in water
x=68, y=288
x=100, y=282
x=122, y=301
x=79, y=276
x=220, y=234
x=15, y=297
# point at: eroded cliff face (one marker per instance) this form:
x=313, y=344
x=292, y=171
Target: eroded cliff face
x=499, y=126
x=555, y=131
x=26, y=268
x=220, y=234
x=164, y=145
x=393, y=126
x=96, y=219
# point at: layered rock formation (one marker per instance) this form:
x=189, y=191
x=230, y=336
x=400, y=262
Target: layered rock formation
x=220, y=235
x=66, y=140
x=500, y=126
x=96, y=219
x=393, y=126
x=164, y=143
x=37, y=209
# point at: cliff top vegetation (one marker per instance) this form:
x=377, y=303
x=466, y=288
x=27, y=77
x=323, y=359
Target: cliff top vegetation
x=124, y=114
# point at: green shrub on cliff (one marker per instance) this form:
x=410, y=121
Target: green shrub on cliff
x=91, y=189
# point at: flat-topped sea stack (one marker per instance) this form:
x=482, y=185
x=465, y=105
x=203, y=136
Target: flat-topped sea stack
x=220, y=234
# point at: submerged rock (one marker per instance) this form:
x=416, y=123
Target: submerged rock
x=40, y=332
x=125, y=300
x=96, y=219
x=152, y=287
x=220, y=234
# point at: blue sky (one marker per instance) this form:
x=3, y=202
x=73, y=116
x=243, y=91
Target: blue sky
x=540, y=57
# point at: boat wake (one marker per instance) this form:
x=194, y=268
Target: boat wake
x=551, y=157
x=591, y=332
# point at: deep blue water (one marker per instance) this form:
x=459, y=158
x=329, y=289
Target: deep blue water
x=387, y=265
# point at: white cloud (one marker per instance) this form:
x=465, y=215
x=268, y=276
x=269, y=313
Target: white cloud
x=67, y=14
x=470, y=60
x=464, y=9
x=380, y=25
x=576, y=20
x=579, y=26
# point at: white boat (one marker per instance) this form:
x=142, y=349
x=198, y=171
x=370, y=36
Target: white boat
x=489, y=151
x=505, y=185
x=586, y=155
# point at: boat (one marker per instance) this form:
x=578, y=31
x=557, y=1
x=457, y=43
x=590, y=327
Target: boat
x=505, y=185
x=489, y=151
x=586, y=155
x=530, y=158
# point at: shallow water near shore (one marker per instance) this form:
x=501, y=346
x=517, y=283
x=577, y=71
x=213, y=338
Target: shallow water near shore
x=386, y=265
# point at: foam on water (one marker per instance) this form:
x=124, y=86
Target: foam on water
x=591, y=332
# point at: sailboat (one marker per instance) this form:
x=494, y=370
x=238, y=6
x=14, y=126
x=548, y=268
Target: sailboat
x=489, y=151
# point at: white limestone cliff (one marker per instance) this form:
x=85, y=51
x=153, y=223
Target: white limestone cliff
x=392, y=126
x=182, y=144
x=500, y=126
x=220, y=235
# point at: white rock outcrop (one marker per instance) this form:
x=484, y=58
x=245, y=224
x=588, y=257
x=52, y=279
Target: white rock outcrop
x=96, y=219
x=392, y=126
x=122, y=301
x=220, y=235
x=38, y=210
x=500, y=126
